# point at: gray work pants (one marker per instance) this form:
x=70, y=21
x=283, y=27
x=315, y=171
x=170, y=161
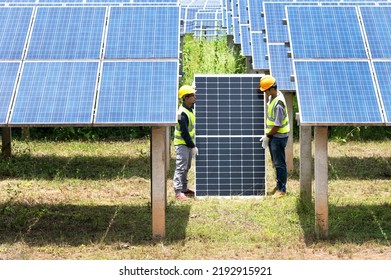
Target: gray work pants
x=183, y=164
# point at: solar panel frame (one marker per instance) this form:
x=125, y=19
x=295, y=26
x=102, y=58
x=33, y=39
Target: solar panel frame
x=8, y=77
x=67, y=33
x=230, y=121
x=319, y=98
x=14, y=28
x=382, y=70
x=314, y=32
x=281, y=66
x=45, y=98
x=157, y=41
x=130, y=93
x=259, y=51
x=377, y=24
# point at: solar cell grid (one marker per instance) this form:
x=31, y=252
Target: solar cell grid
x=54, y=93
x=377, y=23
x=259, y=51
x=14, y=26
x=143, y=32
x=8, y=76
x=383, y=74
x=330, y=92
x=245, y=40
x=325, y=32
x=281, y=66
x=138, y=92
x=230, y=121
x=67, y=33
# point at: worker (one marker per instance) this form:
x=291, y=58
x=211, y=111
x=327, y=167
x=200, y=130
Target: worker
x=277, y=129
x=184, y=141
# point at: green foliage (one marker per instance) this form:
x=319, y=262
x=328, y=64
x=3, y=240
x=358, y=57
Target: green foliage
x=85, y=133
x=200, y=56
x=343, y=134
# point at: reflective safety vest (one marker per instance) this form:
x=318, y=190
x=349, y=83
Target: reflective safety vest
x=271, y=114
x=178, y=140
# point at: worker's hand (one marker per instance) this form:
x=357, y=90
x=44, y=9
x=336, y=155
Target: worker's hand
x=194, y=151
x=265, y=141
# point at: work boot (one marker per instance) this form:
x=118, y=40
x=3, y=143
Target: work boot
x=279, y=194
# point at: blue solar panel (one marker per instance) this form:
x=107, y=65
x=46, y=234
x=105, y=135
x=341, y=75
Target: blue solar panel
x=236, y=30
x=336, y=92
x=231, y=161
x=8, y=76
x=383, y=74
x=55, y=93
x=138, y=92
x=14, y=26
x=245, y=40
x=259, y=51
x=281, y=66
x=67, y=33
x=143, y=32
x=377, y=23
x=325, y=32
x=243, y=12
x=254, y=13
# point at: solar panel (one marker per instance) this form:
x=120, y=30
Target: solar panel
x=383, y=70
x=230, y=121
x=243, y=12
x=67, y=33
x=325, y=32
x=8, y=76
x=377, y=23
x=336, y=92
x=138, y=92
x=55, y=93
x=14, y=26
x=259, y=51
x=139, y=32
x=254, y=14
x=281, y=66
x=245, y=40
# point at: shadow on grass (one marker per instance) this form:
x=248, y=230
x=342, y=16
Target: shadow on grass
x=345, y=168
x=78, y=167
x=75, y=225
x=349, y=224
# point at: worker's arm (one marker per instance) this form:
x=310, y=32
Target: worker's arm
x=273, y=131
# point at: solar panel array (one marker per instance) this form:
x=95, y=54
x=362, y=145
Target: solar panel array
x=230, y=121
x=336, y=56
x=89, y=64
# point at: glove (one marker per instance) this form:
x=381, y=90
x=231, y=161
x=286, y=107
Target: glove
x=265, y=141
x=194, y=151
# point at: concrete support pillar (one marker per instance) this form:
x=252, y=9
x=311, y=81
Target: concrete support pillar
x=158, y=181
x=6, y=139
x=321, y=183
x=306, y=163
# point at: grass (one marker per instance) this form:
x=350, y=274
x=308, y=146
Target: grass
x=91, y=200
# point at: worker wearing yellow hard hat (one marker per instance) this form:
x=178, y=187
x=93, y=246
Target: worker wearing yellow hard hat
x=277, y=129
x=184, y=141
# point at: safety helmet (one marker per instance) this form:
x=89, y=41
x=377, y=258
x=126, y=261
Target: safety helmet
x=185, y=90
x=267, y=82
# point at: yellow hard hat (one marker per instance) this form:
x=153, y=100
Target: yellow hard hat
x=267, y=82
x=185, y=90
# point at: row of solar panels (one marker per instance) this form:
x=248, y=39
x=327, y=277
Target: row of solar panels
x=89, y=65
x=317, y=54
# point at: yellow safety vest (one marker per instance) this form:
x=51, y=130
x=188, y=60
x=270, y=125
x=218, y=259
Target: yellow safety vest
x=178, y=140
x=271, y=115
